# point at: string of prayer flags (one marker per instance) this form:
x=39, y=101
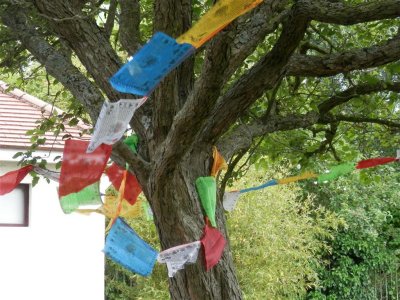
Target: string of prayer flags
x=219, y=162
x=80, y=169
x=175, y=258
x=213, y=244
x=132, y=189
x=337, y=171
x=219, y=16
x=259, y=187
x=373, y=162
x=230, y=200
x=53, y=175
x=90, y=195
x=126, y=248
x=207, y=190
x=10, y=180
x=112, y=122
x=306, y=175
x=132, y=142
x=150, y=65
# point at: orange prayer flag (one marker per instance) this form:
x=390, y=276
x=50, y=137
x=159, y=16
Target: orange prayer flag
x=219, y=162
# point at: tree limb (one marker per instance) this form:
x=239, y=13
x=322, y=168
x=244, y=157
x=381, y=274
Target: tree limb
x=109, y=25
x=358, y=119
x=129, y=33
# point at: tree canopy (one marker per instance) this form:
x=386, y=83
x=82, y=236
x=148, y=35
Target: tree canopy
x=289, y=79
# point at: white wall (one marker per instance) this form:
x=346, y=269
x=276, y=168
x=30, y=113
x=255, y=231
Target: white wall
x=58, y=257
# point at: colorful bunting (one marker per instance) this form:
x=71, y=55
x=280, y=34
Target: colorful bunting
x=90, y=195
x=207, y=190
x=53, y=175
x=219, y=163
x=132, y=142
x=306, y=175
x=80, y=169
x=112, y=122
x=126, y=248
x=219, y=16
x=262, y=186
x=10, y=180
x=230, y=199
x=151, y=64
x=178, y=256
x=213, y=244
x=373, y=162
x=337, y=171
x=132, y=189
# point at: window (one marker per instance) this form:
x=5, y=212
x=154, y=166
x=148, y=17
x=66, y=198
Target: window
x=14, y=207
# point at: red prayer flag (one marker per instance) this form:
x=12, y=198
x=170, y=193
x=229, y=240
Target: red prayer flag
x=80, y=169
x=372, y=162
x=213, y=244
x=132, y=187
x=10, y=180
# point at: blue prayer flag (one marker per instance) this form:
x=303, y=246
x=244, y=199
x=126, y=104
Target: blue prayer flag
x=126, y=248
x=267, y=184
x=150, y=64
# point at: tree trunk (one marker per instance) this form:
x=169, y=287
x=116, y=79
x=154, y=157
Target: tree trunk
x=179, y=220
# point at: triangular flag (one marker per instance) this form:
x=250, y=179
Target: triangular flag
x=218, y=164
x=207, y=190
x=112, y=122
x=303, y=176
x=10, y=180
x=213, y=243
x=90, y=195
x=178, y=256
x=230, y=199
x=126, y=248
x=80, y=169
x=53, y=175
x=373, y=162
x=219, y=16
x=150, y=64
x=132, y=142
x=132, y=188
x=337, y=171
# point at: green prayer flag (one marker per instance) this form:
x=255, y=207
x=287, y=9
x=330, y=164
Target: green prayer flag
x=90, y=195
x=132, y=142
x=337, y=171
x=207, y=190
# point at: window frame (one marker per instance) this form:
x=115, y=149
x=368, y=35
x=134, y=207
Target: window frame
x=25, y=187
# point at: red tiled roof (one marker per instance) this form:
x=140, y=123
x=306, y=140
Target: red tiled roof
x=19, y=113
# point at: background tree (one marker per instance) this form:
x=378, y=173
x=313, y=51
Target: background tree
x=304, y=67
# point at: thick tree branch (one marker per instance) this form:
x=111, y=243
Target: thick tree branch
x=356, y=91
x=129, y=33
x=357, y=59
x=109, y=25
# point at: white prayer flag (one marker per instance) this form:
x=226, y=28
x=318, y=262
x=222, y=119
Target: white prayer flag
x=53, y=175
x=112, y=122
x=230, y=199
x=177, y=257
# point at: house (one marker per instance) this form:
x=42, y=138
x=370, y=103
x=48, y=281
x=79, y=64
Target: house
x=44, y=253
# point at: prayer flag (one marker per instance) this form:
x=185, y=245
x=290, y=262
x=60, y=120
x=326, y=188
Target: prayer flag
x=213, y=243
x=80, y=169
x=207, y=190
x=337, y=171
x=178, y=256
x=230, y=200
x=303, y=176
x=373, y=162
x=10, y=180
x=132, y=142
x=110, y=208
x=147, y=210
x=53, y=175
x=126, y=248
x=218, y=164
x=150, y=65
x=132, y=188
x=219, y=16
x=259, y=187
x=90, y=195
x=112, y=122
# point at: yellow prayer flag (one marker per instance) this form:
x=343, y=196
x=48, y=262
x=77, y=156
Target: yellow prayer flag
x=219, y=16
x=303, y=176
x=127, y=211
x=219, y=162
